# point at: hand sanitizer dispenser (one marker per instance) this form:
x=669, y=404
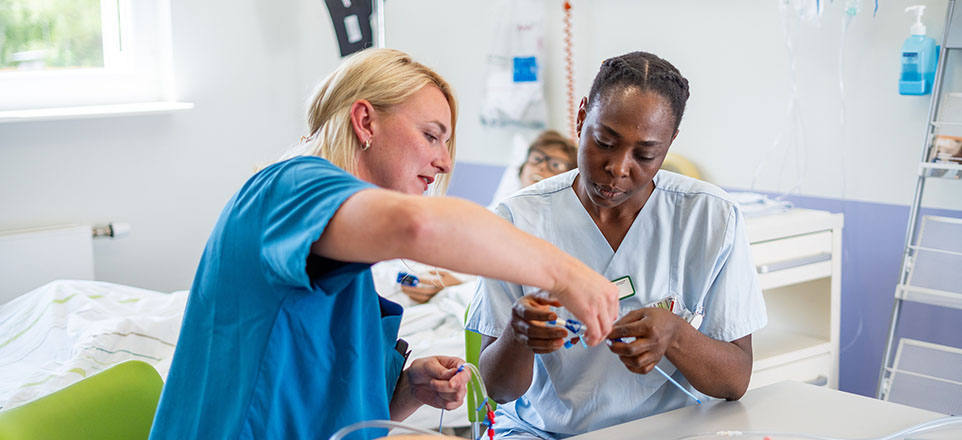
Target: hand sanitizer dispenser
x=919, y=57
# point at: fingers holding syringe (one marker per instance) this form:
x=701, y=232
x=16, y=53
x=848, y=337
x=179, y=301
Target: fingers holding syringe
x=639, y=355
x=590, y=297
x=596, y=308
x=642, y=337
x=528, y=317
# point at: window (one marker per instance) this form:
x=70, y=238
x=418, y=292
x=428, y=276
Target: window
x=66, y=53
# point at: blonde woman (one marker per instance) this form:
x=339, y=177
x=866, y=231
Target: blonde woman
x=284, y=335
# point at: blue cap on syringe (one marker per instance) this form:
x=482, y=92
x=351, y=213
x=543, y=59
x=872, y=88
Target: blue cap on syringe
x=574, y=327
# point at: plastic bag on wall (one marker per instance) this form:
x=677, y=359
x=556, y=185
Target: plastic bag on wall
x=514, y=86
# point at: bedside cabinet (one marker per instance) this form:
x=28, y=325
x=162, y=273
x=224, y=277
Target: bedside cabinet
x=798, y=256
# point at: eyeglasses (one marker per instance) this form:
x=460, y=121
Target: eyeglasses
x=555, y=165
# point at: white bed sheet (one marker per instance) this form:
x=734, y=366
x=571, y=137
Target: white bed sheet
x=66, y=330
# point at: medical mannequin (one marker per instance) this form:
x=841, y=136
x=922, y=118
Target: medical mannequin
x=283, y=334
x=691, y=300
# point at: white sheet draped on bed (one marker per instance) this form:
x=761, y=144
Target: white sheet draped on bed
x=66, y=330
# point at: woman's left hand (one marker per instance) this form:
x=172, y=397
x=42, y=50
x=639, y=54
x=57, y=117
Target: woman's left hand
x=430, y=285
x=436, y=381
x=654, y=330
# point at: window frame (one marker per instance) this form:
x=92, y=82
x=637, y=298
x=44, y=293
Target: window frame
x=138, y=65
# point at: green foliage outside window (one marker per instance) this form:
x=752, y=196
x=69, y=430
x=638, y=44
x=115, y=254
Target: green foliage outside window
x=50, y=34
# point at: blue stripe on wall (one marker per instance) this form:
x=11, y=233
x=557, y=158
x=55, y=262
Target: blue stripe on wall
x=872, y=246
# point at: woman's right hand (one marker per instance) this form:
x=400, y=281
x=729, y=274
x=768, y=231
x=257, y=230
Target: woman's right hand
x=528, y=316
x=592, y=298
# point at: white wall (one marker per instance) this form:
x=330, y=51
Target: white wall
x=249, y=66
x=735, y=57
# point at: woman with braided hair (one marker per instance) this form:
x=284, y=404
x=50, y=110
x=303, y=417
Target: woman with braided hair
x=676, y=247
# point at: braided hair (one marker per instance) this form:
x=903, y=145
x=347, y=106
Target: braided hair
x=645, y=71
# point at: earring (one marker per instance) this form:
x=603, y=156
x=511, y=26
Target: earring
x=367, y=144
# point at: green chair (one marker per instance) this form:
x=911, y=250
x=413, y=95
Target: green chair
x=116, y=403
x=472, y=352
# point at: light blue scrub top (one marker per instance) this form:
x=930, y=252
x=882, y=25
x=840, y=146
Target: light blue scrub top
x=687, y=243
x=276, y=344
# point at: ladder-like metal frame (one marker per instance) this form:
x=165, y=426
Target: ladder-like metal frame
x=952, y=40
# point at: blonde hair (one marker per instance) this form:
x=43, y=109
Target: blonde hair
x=383, y=77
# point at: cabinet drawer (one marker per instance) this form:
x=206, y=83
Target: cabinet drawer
x=784, y=251
x=816, y=369
x=795, y=259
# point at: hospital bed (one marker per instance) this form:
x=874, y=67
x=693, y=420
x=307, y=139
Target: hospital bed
x=67, y=330
x=53, y=334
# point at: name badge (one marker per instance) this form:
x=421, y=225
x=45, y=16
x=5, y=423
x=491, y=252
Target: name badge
x=625, y=288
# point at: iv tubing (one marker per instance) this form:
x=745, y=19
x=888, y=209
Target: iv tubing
x=676, y=384
x=793, y=117
x=437, y=273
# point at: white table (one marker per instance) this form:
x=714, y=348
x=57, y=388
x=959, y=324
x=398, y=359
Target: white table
x=784, y=407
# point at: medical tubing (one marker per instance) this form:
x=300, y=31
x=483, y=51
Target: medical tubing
x=799, y=126
x=916, y=429
x=926, y=426
x=388, y=424
x=846, y=21
x=792, y=114
x=761, y=434
x=437, y=272
x=481, y=393
x=676, y=384
x=481, y=396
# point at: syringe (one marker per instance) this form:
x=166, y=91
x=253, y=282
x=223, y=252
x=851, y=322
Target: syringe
x=574, y=327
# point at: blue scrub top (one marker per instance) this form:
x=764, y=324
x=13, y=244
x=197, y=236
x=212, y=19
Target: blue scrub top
x=276, y=342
